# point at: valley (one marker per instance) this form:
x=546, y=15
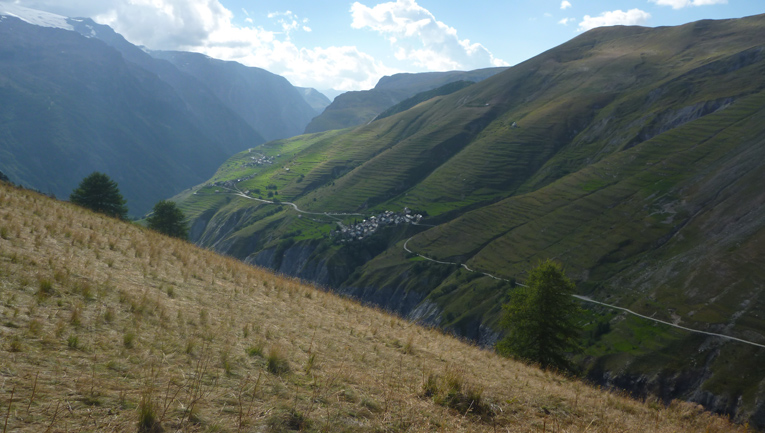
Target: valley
x=349, y=259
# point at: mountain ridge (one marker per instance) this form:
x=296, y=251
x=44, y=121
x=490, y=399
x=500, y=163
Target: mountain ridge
x=78, y=95
x=359, y=107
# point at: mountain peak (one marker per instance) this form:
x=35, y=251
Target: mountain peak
x=34, y=16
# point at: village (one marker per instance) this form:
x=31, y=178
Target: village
x=259, y=159
x=361, y=230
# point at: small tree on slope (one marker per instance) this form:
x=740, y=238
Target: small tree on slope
x=99, y=193
x=167, y=218
x=541, y=319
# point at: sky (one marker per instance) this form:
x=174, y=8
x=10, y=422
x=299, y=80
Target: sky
x=350, y=45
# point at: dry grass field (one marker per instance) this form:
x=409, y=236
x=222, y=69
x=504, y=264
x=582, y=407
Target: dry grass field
x=105, y=326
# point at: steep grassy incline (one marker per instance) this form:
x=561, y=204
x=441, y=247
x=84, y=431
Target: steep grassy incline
x=106, y=327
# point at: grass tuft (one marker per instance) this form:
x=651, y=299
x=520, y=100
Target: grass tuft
x=148, y=421
x=453, y=391
x=276, y=361
x=286, y=420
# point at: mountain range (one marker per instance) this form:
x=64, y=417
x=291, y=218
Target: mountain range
x=77, y=97
x=631, y=155
x=359, y=107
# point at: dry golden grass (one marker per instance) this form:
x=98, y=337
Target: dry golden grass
x=106, y=326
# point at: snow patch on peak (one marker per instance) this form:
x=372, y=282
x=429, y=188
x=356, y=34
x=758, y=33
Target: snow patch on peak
x=35, y=17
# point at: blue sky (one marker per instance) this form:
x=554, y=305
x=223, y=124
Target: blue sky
x=349, y=45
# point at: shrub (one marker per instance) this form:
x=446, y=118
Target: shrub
x=128, y=340
x=277, y=363
x=256, y=350
x=147, y=415
x=99, y=193
x=541, y=319
x=46, y=288
x=288, y=420
x=168, y=219
x=451, y=390
x=15, y=344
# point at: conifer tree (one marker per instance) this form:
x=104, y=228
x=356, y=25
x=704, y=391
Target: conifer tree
x=167, y=218
x=99, y=193
x=541, y=319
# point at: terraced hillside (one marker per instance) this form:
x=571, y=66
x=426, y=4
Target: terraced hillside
x=359, y=107
x=630, y=154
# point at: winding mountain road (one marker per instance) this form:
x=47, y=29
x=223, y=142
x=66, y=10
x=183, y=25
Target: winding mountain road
x=466, y=267
x=592, y=301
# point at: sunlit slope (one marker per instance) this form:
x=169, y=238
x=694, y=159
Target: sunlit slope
x=577, y=115
x=109, y=327
x=604, y=218
x=600, y=93
x=352, y=109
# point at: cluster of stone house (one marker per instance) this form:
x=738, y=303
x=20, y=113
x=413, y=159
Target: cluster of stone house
x=258, y=160
x=365, y=228
x=224, y=183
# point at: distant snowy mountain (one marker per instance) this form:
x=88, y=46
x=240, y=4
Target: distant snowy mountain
x=34, y=17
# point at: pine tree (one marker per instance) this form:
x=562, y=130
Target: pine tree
x=541, y=319
x=167, y=218
x=99, y=193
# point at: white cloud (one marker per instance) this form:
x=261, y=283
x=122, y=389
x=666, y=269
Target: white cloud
x=565, y=21
x=206, y=26
x=565, y=4
x=289, y=22
x=420, y=38
x=71, y=8
x=679, y=4
x=618, y=17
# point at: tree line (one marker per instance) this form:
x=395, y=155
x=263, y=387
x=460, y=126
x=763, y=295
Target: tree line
x=99, y=193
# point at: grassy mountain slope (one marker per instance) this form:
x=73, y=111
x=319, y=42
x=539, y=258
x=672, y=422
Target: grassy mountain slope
x=630, y=154
x=105, y=324
x=408, y=103
x=359, y=107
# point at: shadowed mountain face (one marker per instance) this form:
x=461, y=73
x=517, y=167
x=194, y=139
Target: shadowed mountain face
x=317, y=100
x=268, y=102
x=73, y=105
x=631, y=155
x=80, y=98
x=359, y=107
